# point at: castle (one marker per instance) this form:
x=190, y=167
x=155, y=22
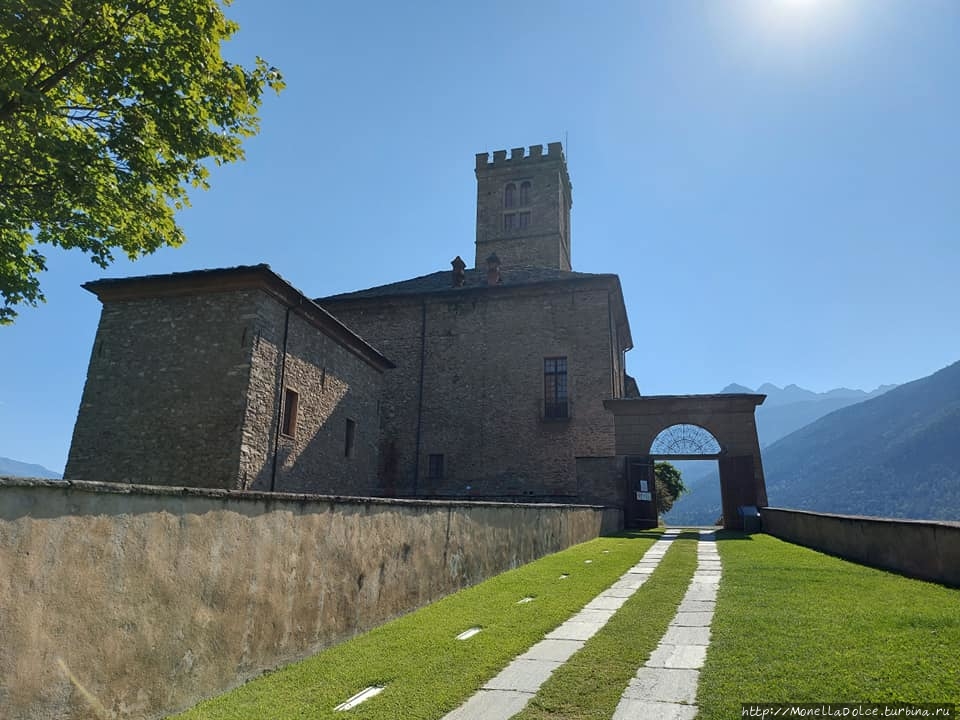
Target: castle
x=485, y=383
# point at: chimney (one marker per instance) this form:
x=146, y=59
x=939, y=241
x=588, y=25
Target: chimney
x=493, y=270
x=459, y=276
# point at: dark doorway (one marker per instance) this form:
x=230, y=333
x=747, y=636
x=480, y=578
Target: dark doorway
x=640, y=509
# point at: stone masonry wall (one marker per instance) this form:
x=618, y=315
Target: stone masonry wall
x=482, y=390
x=333, y=385
x=165, y=391
x=545, y=242
x=155, y=598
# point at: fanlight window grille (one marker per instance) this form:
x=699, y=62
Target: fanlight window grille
x=685, y=440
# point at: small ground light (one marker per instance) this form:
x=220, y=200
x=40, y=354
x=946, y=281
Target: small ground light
x=360, y=697
x=521, y=601
x=587, y=562
x=564, y=576
x=467, y=634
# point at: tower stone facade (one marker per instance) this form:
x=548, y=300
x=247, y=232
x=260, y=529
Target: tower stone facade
x=523, y=208
x=502, y=370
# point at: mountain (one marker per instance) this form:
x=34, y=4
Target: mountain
x=792, y=407
x=894, y=455
x=15, y=468
x=785, y=410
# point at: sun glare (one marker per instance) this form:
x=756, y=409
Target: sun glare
x=788, y=30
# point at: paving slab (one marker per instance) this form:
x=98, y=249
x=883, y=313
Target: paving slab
x=600, y=617
x=693, y=619
x=707, y=579
x=682, y=635
x=678, y=656
x=491, y=705
x=605, y=603
x=628, y=584
x=554, y=650
x=523, y=675
x=632, y=709
x=574, y=631
x=672, y=685
x=697, y=606
x=702, y=592
x=619, y=592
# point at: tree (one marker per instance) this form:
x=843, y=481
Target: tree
x=669, y=485
x=110, y=110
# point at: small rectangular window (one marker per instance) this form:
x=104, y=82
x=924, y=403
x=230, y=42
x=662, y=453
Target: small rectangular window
x=435, y=466
x=555, y=387
x=291, y=401
x=350, y=439
x=509, y=221
x=524, y=220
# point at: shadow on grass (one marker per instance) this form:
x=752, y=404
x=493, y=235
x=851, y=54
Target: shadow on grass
x=723, y=535
x=637, y=534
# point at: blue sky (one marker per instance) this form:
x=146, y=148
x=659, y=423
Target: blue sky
x=777, y=182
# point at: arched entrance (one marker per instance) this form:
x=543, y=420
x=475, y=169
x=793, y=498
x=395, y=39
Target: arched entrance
x=684, y=427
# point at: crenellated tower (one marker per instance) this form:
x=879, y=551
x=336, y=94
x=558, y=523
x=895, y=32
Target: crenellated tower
x=523, y=208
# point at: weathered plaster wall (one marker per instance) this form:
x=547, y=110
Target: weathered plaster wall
x=918, y=548
x=157, y=597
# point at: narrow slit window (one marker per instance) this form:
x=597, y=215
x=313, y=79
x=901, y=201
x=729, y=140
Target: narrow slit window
x=291, y=402
x=509, y=193
x=350, y=439
x=435, y=466
x=555, y=388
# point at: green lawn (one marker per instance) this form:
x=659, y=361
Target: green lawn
x=791, y=625
x=794, y=625
x=590, y=684
x=426, y=671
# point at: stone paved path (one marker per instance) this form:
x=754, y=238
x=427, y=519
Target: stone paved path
x=666, y=687
x=510, y=691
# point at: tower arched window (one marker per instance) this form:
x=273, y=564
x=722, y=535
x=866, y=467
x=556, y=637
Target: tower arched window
x=524, y=193
x=509, y=193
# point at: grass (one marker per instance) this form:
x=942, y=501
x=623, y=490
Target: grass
x=589, y=685
x=425, y=670
x=793, y=625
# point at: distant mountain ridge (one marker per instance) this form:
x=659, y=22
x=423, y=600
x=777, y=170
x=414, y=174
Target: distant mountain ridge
x=15, y=468
x=896, y=454
x=790, y=408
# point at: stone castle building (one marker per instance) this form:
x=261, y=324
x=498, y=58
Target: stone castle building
x=501, y=382
x=226, y=379
x=502, y=369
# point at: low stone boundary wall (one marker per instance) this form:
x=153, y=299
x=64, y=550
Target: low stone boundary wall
x=923, y=549
x=153, y=598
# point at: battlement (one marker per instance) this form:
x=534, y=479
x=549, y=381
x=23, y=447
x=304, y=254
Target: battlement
x=520, y=154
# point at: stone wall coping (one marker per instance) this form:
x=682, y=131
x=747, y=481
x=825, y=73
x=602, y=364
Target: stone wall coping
x=259, y=496
x=864, y=518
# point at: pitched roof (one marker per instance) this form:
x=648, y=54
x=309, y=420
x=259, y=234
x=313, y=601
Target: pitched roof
x=237, y=278
x=442, y=281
